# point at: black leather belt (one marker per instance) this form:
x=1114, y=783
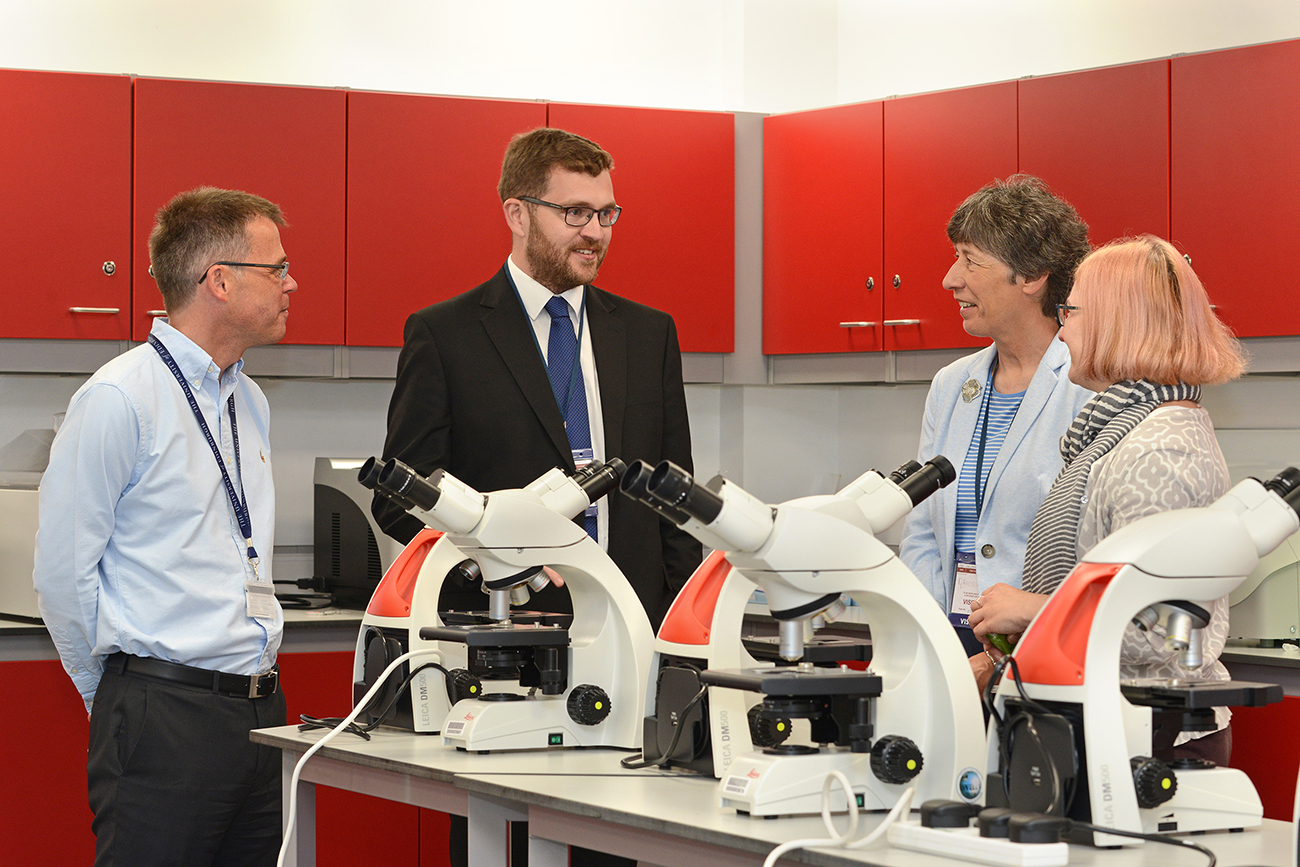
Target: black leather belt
x=235, y=685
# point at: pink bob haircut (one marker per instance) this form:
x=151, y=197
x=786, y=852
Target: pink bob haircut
x=1145, y=315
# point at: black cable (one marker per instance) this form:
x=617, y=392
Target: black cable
x=632, y=764
x=307, y=723
x=1151, y=838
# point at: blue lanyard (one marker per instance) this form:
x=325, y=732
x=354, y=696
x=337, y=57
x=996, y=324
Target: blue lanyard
x=582, y=322
x=984, y=433
x=240, y=506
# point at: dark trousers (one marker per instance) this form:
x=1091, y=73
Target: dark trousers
x=174, y=780
x=578, y=857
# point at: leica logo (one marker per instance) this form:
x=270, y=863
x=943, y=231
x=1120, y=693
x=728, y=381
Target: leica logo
x=753, y=774
x=469, y=716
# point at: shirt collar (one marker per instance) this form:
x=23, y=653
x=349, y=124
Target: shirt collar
x=534, y=295
x=195, y=364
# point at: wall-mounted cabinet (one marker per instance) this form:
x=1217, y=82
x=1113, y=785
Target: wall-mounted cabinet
x=66, y=224
x=674, y=246
x=287, y=144
x=1235, y=187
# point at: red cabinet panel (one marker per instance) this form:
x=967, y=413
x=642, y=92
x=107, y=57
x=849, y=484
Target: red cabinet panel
x=1234, y=181
x=674, y=246
x=822, y=176
x=66, y=148
x=1100, y=139
x=424, y=219
x=1263, y=748
x=939, y=148
x=287, y=144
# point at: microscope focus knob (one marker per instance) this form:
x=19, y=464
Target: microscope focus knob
x=767, y=731
x=896, y=759
x=588, y=704
x=1153, y=781
x=461, y=684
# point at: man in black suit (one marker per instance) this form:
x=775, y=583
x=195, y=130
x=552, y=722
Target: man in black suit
x=478, y=393
x=473, y=395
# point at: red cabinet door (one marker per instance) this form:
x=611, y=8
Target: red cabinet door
x=66, y=225
x=424, y=219
x=939, y=148
x=1100, y=139
x=1234, y=180
x=287, y=144
x=822, y=176
x=674, y=247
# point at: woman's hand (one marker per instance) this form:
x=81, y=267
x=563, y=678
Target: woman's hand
x=1004, y=609
x=982, y=665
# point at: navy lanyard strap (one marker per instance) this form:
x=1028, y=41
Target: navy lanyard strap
x=984, y=433
x=240, y=507
x=582, y=322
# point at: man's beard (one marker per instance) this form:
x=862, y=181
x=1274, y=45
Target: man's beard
x=551, y=266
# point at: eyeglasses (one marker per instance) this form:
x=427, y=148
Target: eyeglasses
x=282, y=268
x=580, y=216
x=1063, y=312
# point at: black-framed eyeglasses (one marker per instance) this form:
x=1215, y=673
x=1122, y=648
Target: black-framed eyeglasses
x=1063, y=312
x=576, y=216
x=282, y=268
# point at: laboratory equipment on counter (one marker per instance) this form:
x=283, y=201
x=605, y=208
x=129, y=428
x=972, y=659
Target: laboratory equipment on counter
x=1265, y=608
x=350, y=552
x=18, y=519
x=533, y=685
x=913, y=717
x=1074, y=739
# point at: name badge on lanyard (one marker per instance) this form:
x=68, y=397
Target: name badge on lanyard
x=965, y=590
x=259, y=596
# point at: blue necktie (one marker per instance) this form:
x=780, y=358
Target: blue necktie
x=566, y=382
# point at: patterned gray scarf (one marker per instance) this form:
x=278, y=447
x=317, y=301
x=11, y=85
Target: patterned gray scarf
x=1050, y=553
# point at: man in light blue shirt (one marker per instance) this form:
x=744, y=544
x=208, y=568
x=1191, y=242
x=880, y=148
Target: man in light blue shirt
x=153, y=558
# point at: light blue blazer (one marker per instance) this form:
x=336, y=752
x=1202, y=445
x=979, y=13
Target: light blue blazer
x=1026, y=465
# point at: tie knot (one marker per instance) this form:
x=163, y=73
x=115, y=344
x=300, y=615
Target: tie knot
x=558, y=308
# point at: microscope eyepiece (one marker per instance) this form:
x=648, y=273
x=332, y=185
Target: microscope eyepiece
x=399, y=479
x=369, y=475
x=898, y=475
x=673, y=486
x=597, y=480
x=924, y=481
x=1286, y=485
x=633, y=485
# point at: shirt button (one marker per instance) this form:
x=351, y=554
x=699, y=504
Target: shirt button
x=988, y=550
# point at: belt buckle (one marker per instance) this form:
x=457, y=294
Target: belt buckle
x=255, y=684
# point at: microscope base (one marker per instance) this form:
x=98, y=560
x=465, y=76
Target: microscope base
x=535, y=723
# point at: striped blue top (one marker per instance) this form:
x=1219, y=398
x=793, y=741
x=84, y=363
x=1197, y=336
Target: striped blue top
x=1001, y=412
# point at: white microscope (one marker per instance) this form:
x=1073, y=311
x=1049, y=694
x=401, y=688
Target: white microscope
x=575, y=686
x=912, y=718
x=1073, y=739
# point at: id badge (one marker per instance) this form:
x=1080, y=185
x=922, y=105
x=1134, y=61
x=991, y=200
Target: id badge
x=581, y=458
x=965, y=590
x=259, y=600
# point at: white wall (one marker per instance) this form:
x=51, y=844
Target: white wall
x=743, y=55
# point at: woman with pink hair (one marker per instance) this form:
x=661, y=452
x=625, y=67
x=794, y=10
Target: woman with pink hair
x=1142, y=334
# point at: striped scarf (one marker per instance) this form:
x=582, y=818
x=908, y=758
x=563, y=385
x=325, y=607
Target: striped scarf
x=1050, y=553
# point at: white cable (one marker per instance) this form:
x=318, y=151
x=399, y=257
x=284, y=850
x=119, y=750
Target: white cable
x=297, y=770
x=901, y=808
x=836, y=839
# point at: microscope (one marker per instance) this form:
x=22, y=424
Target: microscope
x=912, y=718
x=525, y=684
x=1072, y=739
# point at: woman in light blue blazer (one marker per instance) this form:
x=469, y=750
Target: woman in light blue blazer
x=998, y=415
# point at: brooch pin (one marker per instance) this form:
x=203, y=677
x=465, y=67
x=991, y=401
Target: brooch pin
x=970, y=390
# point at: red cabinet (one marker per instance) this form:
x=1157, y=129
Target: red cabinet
x=424, y=219
x=66, y=224
x=287, y=144
x=1100, y=139
x=822, y=236
x=939, y=148
x=1234, y=184
x=674, y=245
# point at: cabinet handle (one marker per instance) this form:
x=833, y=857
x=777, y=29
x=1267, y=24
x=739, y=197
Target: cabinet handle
x=110, y=268
x=155, y=312
x=898, y=281
x=902, y=321
x=857, y=325
x=94, y=310
x=871, y=283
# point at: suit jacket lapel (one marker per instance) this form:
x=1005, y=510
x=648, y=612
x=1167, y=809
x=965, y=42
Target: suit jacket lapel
x=510, y=331
x=1040, y=390
x=609, y=343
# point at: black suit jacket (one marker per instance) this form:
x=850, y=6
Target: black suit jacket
x=472, y=397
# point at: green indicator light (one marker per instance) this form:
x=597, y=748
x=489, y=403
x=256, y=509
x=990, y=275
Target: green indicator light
x=555, y=740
